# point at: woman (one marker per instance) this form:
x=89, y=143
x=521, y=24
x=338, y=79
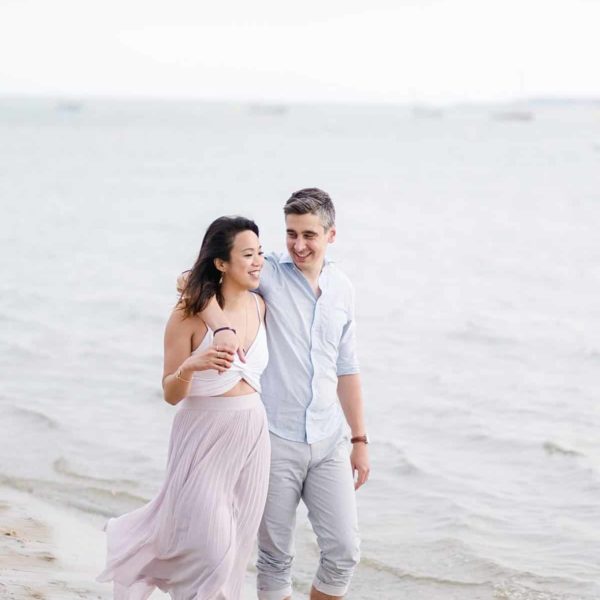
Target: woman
x=193, y=540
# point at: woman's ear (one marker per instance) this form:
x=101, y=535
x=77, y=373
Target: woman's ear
x=220, y=264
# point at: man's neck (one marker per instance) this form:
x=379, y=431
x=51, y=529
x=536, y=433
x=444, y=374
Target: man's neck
x=312, y=276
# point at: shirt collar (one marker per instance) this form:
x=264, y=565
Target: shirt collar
x=286, y=258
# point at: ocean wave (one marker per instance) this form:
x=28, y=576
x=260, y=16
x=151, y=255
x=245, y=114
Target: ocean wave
x=377, y=565
x=478, y=335
x=396, y=457
x=60, y=465
x=90, y=499
x=555, y=448
x=510, y=590
x=35, y=417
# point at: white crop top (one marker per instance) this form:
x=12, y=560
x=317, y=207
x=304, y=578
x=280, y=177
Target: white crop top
x=210, y=383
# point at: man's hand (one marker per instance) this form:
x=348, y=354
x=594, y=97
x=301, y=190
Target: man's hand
x=182, y=281
x=359, y=459
x=227, y=340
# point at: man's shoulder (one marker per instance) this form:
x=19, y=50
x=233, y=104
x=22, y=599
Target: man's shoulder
x=340, y=279
x=274, y=258
x=278, y=262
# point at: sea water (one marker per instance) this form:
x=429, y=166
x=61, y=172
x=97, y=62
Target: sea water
x=473, y=246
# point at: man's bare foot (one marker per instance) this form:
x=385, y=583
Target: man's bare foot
x=315, y=594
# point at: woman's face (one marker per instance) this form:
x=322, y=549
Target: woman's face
x=245, y=261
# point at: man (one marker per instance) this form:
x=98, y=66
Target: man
x=312, y=363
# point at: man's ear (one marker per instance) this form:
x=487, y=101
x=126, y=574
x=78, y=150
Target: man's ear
x=331, y=234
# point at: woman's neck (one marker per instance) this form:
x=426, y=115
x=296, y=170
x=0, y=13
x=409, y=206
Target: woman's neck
x=234, y=296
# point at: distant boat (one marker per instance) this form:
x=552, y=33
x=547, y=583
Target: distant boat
x=514, y=115
x=421, y=111
x=267, y=109
x=69, y=106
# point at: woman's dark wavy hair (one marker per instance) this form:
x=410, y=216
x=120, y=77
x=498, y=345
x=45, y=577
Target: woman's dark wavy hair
x=203, y=280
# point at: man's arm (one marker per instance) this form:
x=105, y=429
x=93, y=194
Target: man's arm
x=225, y=339
x=350, y=395
x=215, y=318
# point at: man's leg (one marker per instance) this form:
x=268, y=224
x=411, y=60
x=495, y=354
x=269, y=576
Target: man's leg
x=289, y=464
x=331, y=501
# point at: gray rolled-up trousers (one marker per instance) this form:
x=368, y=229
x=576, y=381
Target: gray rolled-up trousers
x=321, y=475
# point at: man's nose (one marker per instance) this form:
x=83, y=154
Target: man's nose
x=299, y=245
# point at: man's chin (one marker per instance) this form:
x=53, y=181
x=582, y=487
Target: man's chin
x=302, y=263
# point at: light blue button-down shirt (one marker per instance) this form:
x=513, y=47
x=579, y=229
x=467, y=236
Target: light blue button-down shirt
x=311, y=342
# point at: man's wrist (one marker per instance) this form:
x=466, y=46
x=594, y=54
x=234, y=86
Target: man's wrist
x=225, y=328
x=360, y=439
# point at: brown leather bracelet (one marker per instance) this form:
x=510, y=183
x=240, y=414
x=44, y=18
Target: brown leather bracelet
x=360, y=438
x=224, y=329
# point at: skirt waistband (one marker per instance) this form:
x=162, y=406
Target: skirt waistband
x=221, y=402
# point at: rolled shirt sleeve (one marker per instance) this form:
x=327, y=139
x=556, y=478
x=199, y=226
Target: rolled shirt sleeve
x=347, y=359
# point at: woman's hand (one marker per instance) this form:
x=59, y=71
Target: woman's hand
x=215, y=357
x=228, y=341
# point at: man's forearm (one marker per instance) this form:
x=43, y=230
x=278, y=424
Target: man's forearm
x=350, y=395
x=213, y=315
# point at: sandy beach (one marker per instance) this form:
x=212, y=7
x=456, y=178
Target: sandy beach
x=48, y=553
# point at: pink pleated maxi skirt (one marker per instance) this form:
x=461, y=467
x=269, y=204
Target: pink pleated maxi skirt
x=194, y=539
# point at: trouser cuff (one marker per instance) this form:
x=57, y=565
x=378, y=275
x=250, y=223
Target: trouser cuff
x=280, y=594
x=330, y=590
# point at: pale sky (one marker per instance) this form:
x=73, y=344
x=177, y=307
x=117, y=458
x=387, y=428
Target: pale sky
x=329, y=50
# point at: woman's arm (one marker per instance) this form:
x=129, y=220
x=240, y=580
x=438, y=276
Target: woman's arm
x=179, y=363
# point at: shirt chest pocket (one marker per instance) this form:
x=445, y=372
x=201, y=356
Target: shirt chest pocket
x=331, y=324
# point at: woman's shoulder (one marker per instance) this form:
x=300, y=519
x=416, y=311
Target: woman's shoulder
x=179, y=321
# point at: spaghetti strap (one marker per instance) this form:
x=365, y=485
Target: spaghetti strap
x=257, y=307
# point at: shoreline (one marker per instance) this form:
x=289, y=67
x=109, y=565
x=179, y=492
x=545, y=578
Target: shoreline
x=51, y=553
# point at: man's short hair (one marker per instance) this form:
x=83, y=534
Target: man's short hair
x=313, y=201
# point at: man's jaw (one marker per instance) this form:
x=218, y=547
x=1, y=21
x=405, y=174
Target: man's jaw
x=301, y=258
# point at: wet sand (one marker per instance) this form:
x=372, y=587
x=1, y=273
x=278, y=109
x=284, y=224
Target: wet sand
x=48, y=553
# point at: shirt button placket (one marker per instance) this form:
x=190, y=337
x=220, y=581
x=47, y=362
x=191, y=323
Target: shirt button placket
x=313, y=329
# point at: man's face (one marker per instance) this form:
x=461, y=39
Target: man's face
x=307, y=240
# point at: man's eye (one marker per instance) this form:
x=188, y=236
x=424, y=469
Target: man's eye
x=261, y=253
